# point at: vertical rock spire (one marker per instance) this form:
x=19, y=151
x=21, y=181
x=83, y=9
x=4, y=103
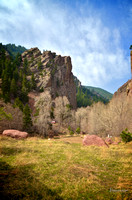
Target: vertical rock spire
x=131, y=63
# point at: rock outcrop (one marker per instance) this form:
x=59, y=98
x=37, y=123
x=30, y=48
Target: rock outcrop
x=15, y=134
x=52, y=72
x=77, y=82
x=126, y=89
x=93, y=140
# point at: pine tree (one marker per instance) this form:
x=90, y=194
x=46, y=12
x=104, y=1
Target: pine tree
x=27, y=121
x=25, y=66
x=18, y=59
x=25, y=84
x=4, y=115
x=5, y=86
x=21, y=76
x=24, y=95
x=39, y=64
x=18, y=103
x=33, y=83
x=13, y=88
x=16, y=74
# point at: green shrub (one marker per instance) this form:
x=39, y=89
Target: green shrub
x=41, y=89
x=71, y=133
x=78, y=130
x=69, y=106
x=57, y=94
x=40, y=65
x=57, y=83
x=52, y=114
x=69, y=128
x=4, y=115
x=126, y=136
x=37, y=112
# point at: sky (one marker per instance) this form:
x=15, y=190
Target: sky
x=96, y=34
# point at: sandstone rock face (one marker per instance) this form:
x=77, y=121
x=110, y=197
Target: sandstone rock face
x=52, y=72
x=77, y=82
x=126, y=88
x=15, y=133
x=93, y=140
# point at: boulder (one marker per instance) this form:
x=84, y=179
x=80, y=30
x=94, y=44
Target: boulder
x=93, y=140
x=15, y=133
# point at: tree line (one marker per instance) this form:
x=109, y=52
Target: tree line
x=14, y=84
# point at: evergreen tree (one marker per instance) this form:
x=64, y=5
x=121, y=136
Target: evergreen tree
x=24, y=90
x=5, y=86
x=2, y=59
x=18, y=59
x=8, y=68
x=33, y=83
x=24, y=95
x=18, y=103
x=27, y=121
x=4, y=115
x=13, y=88
x=20, y=75
x=16, y=74
x=39, y=64
x=25, y=66
x=25, y=83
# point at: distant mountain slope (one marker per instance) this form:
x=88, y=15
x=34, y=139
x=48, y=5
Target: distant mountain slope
x=99, y=91
x=86, y=97
x=12, y=49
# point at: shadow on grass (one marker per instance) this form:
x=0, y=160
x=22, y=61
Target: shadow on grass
x=7, y=151
x=21, y=183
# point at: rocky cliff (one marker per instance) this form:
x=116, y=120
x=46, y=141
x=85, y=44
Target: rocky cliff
x=125, y=89
x=52, y=73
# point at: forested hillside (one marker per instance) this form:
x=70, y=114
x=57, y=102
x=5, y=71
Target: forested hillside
x=14, y=87
x=86, y=97
x=13, y=78
x=12, y=49
x=99, y=91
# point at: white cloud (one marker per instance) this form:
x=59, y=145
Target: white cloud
x=94, y=48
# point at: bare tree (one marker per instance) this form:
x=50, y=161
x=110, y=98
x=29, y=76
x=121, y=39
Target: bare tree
x=111, y=118
x=16, y=119
x=63, y=113
x=42, y=120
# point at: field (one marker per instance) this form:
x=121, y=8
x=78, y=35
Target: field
x=38, y=168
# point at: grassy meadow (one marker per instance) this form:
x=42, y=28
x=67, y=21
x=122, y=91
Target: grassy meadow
x=37, y=168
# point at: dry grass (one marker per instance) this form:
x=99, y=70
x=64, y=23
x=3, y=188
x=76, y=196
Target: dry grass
x=38, y=168
x=74, y=139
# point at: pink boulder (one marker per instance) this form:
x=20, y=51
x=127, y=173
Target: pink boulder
x=93, y=140
x=15, y=133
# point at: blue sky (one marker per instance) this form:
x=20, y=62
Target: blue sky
x=96, y=34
